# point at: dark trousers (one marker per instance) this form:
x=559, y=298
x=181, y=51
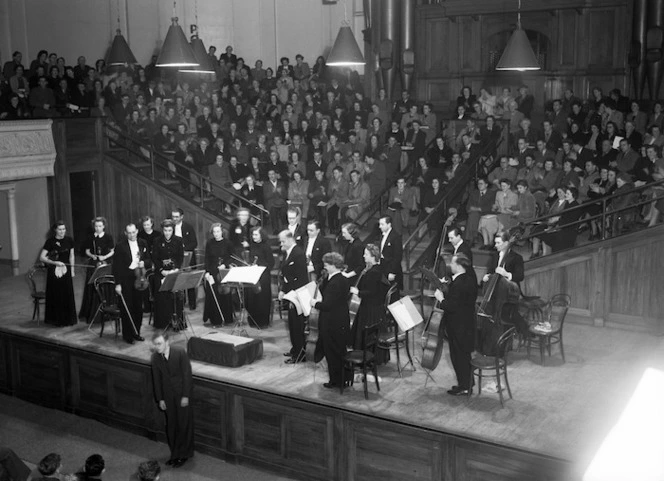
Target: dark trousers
x=333, y=219
x=13, y=465
x=134, y=300
x=296, y=331
x=277, y=218
x=179, y=428
x=460, y=357
x=334, y=349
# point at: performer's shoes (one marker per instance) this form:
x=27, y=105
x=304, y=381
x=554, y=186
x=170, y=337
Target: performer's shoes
x=288, y=354
x=129, y=341
x=139, y=338
x=330, y=385
x=459, y=391
x=179, y=462
x=294, y=360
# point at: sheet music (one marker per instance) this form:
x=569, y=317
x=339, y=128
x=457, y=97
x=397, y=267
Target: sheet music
x=405, y=313
x=291, y=296
x=244, y=275
x=301, y=298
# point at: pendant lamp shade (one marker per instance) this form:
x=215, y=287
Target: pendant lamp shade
x=203, y=59
x=176, y=51
x=518, y=54
x=345, y=52
x=120, y=53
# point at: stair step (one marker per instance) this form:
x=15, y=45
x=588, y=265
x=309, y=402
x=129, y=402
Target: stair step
x=169, y=182
x=139, y=164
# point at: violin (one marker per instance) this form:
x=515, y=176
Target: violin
x=311, y=351
x=141, y=281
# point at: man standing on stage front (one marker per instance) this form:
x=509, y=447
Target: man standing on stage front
x=130, y=254
x=459, y=307
x=173, y=385
x=293, y=276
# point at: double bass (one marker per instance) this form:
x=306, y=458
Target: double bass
x=355, y=300
x=432, y=338
x=312, y=352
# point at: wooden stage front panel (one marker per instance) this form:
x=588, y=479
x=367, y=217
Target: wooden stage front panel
x=280, y=416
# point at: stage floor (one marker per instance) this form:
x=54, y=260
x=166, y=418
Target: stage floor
x=560, y=409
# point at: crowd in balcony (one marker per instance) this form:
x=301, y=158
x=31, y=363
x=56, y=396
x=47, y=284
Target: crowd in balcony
x=309, y=137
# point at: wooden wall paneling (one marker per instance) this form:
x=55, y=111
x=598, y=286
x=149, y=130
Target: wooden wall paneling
x=5, y=367
x=375, y=454
x=211, y=417
x=39, y=375
x=475, y=462
x=655, y=274
x=440, y=93
x=293, y=437
x=577, y=282
x=600, y=39
x=470, y=47
x=566, y=34
x=437, y=34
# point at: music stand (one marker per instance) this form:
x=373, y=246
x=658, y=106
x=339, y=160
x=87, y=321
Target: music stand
x=177, y=283
x=240, y=278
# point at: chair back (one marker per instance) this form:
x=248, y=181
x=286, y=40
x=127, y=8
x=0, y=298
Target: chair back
x=503, y=342
x=105, y=287
x=558, y=307
x=370, y=339
x=36, y=279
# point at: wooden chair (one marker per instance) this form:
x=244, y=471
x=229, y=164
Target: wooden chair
x=150, y=277
x=364, y=359
x=550, y=331
x=36, y=279
x=392, y=338
x=108, y=310
x=497, y=365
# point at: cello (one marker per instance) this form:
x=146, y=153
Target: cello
x=432, y=338
x=355, y=300
x=312, y=352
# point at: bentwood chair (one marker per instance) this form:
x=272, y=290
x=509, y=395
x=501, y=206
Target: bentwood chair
x=550, y=331
x=364, y=359
x=36, y=279
x=108, y=310
x=393, y=338
x=493, y=366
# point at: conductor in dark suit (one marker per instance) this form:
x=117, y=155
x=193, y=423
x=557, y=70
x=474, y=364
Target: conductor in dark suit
x=391, y=251
x=459, y=307
x=188, y=235
x=315, y=248
x=334, y=319
x=293, y=276
x=132, y=253
x=173, y=386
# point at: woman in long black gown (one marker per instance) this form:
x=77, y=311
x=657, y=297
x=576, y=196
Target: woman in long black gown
x=99, y=249
x=167, y=257
x=259, y=304
x=240, y=234
x=353, y=253
x=58, y=256
x=372, y=288
x=217, y=256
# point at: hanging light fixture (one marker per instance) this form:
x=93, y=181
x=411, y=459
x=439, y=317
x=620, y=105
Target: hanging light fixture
x=200, y=53
x=120, y=53
x=345, y=51
x=518, y=54
x=176, y=51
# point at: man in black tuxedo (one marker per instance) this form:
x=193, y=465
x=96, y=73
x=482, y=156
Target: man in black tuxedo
x=173, y=387
x=130, y=253
x=293, y=276
x=459, y=307
x=315, y=247
x=391, y=251
x=188, y=235
x=334, y=319
x=508, y=264
x=295, y=226
x=458, y=244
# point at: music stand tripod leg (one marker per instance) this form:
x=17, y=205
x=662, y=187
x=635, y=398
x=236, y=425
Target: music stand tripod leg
x=240, y=323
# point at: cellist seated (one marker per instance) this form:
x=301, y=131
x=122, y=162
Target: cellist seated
x=509, y=265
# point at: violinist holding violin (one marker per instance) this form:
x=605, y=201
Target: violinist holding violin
x=130, y=261
x=99, y=251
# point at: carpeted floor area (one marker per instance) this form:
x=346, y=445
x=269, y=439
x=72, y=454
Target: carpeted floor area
x=33, y=431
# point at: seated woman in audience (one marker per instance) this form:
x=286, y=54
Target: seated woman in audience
x=556, y=204
x=298, y=192
x=297, y=164
x=374, y=149
x=638, y=118
x=135, y=126
x=424, y=174
x=594, y=140
x=525, y=209
x=101, y=109
x=431, y=197
x=218, y=301
x=560, y=234
x=657, y=116
x=358, y=196
x=504, y=203
x=570, y=178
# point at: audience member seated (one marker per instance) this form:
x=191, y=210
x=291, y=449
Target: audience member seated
x=402, y=201
x=480, y=203
x=560, y=234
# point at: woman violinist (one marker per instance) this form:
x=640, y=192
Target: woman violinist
x=218, y=253
x=167, y=257
x=259, y=302
x=58, y=256
x=99, y=250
